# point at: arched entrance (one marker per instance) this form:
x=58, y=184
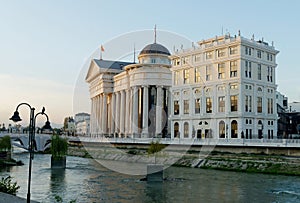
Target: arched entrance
x=176, y=130
x=234, y=129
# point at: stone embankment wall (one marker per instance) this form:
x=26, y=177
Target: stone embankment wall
x=220, y=160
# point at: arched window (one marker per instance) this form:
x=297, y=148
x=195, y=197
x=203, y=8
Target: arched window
x=234, y=129
x=186, y=130
x=176, y=130
x=222, y=129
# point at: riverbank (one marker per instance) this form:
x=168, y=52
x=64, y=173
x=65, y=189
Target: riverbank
x=240, y=162
x=7, y=198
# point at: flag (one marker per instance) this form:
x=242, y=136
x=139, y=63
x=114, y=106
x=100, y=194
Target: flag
x=102, y=48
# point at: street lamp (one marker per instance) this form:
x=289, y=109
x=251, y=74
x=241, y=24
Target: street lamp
x=16, y=118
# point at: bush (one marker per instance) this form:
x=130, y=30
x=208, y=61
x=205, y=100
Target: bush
x=59, y=147
x=5, y=144
x=155, y=147
x=7, y=186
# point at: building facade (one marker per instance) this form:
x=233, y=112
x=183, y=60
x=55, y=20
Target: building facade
x=222, y=88
x=131, y=99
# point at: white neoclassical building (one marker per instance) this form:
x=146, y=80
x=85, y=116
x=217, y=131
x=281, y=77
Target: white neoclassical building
x=223, y=87
x=131, y=99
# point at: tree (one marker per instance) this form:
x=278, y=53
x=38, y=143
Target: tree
x=59, y=147
x=154, y=148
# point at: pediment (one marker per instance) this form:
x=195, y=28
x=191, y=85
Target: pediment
x=93, y=71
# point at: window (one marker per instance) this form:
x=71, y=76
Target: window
x=248, y=69
x=259, y=71
x=269, y=57
x=176, y=77
x=233, y=50
x=221, y=52
x=248, y=103
x=197, y=106
x=221, y=129
x=259, y=104
x=248, y=51
x=186, y=76
x=186, y=130
x=270, y=106
x=208, y=105
x=185, y=60
x=222, y=104
x=221, y=88
x=176, y=62
x=186, y=107
x=176, y=130
x=209, y=55
x=208, y=73
x=258, y=53
x=269, y=74
x=153, y=60
x=197, y=75
x=233, y=69
x=197, y=57
x=234, y=86
x=234, y=103
x=221, y=70
x=176, y=107
x=234, y=129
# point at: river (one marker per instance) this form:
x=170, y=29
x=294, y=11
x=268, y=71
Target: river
x=87, y=181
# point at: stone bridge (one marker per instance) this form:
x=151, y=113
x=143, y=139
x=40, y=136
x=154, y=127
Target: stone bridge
x=41, y=142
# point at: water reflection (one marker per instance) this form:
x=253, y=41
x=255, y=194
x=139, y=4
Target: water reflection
x=154, y=192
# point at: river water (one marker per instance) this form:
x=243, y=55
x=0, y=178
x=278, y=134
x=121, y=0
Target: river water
x=87, y=181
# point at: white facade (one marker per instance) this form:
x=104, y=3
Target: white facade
x=224, y=88
x=83, y=127
x=131, y=100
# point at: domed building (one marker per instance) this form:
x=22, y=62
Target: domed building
x=131, y=99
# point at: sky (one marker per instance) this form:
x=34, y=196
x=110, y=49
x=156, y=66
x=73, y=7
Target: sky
x=44, y=45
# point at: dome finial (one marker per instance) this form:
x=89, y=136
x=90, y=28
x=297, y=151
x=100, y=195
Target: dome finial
x=155, y=34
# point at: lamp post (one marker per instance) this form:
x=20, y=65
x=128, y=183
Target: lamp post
x=16, y=118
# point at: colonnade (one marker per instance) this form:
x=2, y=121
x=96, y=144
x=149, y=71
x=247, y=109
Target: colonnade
x=139, y=111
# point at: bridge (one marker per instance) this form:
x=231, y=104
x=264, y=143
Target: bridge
x=41, y=142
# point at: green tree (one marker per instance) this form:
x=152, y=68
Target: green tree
x=154, y=148
x=5, y=144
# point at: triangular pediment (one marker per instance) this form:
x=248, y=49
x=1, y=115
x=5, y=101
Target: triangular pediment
x=93, y=71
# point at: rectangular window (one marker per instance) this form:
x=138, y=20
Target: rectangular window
x=249, y=70
x=209, y=55
x=197, y=106
x=246, y=69
x=270, y=106
x=259, y=71
x=197, y=57
x=208, y=73
x=233, y=50
x=248, y=51
x=221, y=104
x=208, y=105
x=197, y=75
x=234, y=103
x=233, y=69
x=185, y=60
x=176, y=62
x=176, y=107
x=221, y=52
x=258, y=53
x=259, y=104
x=186, y=106
x=248, y=103
x=221, y=70
x=186, y=76
x=234, y=86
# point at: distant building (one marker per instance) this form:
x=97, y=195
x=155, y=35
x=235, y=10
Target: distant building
x=69, y=126
x=283, y=118
x=81, y=117
x=82, y=123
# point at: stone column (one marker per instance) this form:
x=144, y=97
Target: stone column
x=159, y=105
x=97, y=115
x=100, y=115
x=127, y=111
x=145, y=111
x=92, y=120
x=135, y=111
x=169, y=109
x=122, y=112
x=113, y=114
x=104, y=113
x=117, y=118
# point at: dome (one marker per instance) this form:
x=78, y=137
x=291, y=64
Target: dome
x=155, y=49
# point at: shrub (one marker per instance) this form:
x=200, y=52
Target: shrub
x=7, y=186
x=59, y=147
x=5, y=144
